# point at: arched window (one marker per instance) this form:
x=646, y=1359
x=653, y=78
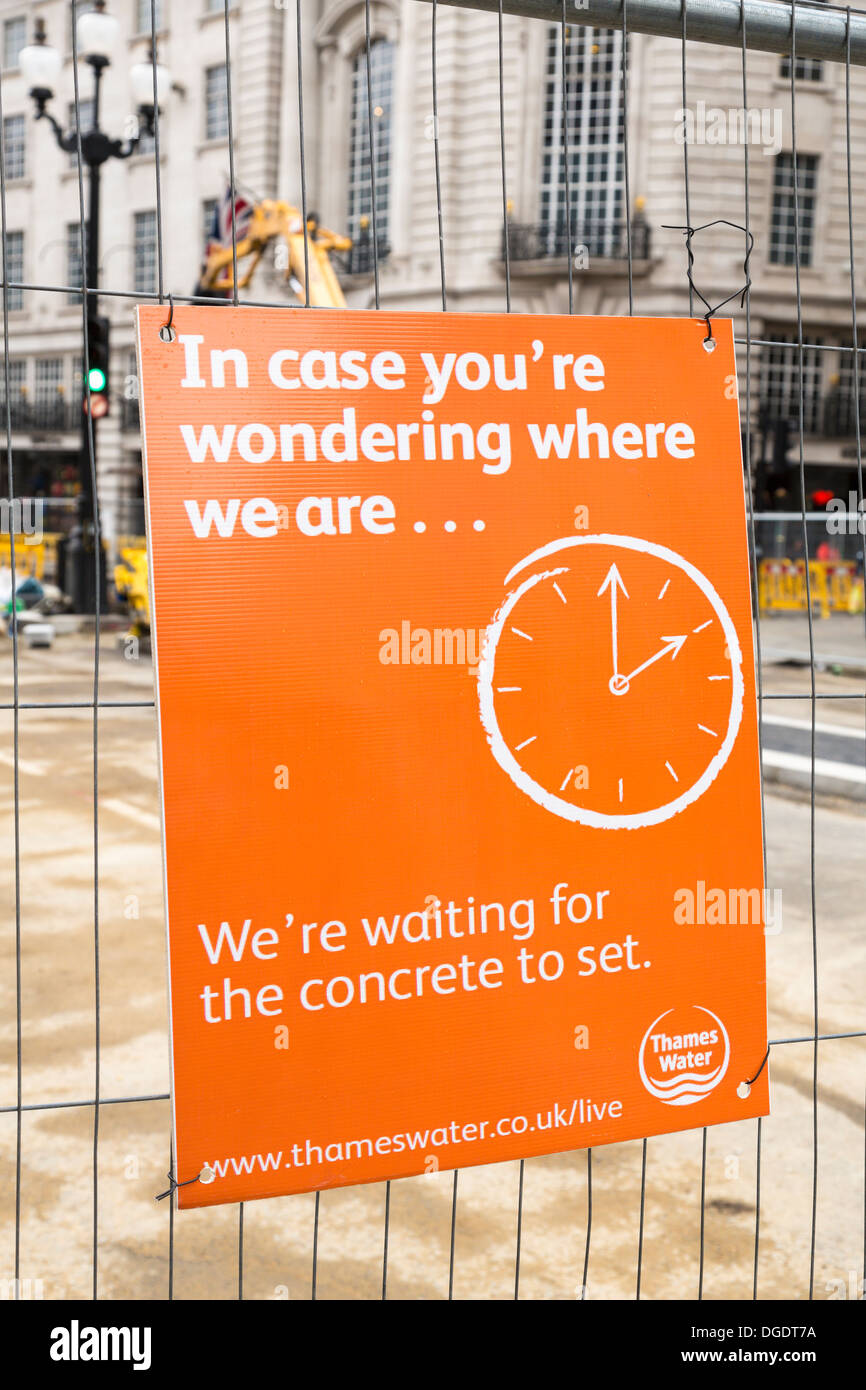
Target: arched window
x=360, y=196
x=592, y=143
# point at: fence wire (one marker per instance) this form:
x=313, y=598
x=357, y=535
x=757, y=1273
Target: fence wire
x=622, y=12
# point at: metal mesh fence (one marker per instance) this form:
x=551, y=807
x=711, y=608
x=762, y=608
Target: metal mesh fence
x=791, y=579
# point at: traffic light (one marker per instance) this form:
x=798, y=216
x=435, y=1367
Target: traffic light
x=97, y=375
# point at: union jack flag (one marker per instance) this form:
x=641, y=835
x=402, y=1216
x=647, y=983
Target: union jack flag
x=221, y=227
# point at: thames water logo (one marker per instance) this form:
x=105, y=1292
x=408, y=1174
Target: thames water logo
x=684, y=1055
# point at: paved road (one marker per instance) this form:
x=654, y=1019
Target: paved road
x=839, y=754
x=837, y=641
x=840, y=728
x=57, y=902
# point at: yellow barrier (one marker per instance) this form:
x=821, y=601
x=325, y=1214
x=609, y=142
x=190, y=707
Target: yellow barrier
x=130, y=579
x=37, y=559
x=836, y=586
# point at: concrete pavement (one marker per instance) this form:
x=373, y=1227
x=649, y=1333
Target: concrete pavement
x=57, y=898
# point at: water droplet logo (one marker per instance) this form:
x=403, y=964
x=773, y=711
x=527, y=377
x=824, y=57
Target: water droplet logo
x=684, y=1055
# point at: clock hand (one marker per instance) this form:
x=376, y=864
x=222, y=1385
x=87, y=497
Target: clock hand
x=611, y=581
x=674, y=646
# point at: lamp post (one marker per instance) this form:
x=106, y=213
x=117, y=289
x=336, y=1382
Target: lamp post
x=40, y=66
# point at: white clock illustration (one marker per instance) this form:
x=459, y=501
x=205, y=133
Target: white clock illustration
x=611, y=685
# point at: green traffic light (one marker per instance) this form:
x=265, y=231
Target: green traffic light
x=96, y=379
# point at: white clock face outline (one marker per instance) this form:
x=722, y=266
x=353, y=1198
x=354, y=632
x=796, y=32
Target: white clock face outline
x=506, y=757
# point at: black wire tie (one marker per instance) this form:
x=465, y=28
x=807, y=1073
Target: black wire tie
x=168, y=335
x=199, y=1177
x=750, y=1083
x=689, y=232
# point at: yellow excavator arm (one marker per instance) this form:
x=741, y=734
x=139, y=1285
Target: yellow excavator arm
x=307, y=256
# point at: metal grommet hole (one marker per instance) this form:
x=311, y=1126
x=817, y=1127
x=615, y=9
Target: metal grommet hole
x=709, y=344
x=744, y=1090
x=167, y=333
x=207, y=1174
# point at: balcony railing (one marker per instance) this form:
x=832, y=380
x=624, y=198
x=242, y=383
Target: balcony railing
x=556, y=240
x=58, y=416
x=827, y=417
x=839, y=416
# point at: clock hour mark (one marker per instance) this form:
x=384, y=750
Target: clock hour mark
x=525, y=742
x=664, y=588
x=507, y=689
x=718, y=678
x=567, y=779
x=705, y=730
x=518, y=633
x=559, y=591
x=671, y=771
x=702, y=626
x=620, y=789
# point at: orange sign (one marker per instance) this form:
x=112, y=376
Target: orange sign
x=458, y=734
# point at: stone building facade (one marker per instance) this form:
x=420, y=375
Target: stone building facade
x=580, y=182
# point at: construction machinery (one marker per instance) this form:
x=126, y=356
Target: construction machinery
x=302, y=258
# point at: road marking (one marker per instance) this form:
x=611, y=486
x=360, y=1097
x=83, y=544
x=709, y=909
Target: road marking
x=525, y=742
x=125, y=808
x=671, y=771
x=821, y=727
x=824, y=767
x=518, y=633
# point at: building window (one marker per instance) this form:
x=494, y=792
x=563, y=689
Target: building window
x=48, y=394
x=144, y=241
x=216, y=122
x=74, y=274
x=805, y=69
x=15, y=146
x=85, y=107
x=360, y=199
x=146, y=141
x=14, y=269
x=14, y=39
x=143, y=17
x=780, y=381
x=783, y=231
x=17, y=368
x=583, y=135
x=208, y=214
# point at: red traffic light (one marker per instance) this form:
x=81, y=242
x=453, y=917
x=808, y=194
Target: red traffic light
x=98, y=407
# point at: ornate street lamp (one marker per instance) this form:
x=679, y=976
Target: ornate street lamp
x=96, y=33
